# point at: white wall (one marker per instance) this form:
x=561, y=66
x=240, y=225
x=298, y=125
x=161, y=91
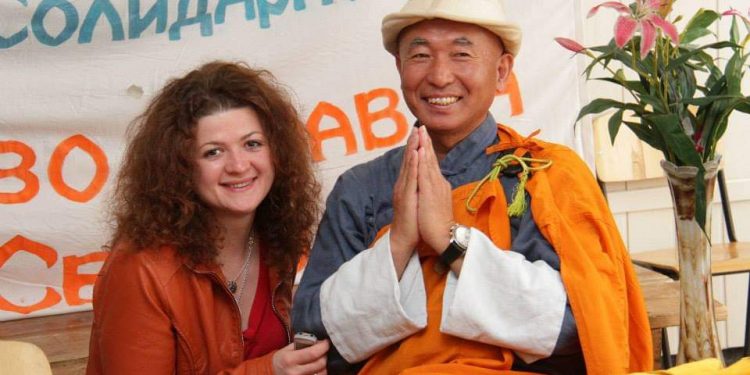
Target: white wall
x=643, y=210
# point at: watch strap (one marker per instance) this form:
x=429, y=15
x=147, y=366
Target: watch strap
x=451, y=253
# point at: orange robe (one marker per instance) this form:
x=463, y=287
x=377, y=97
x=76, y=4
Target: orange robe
x=599, y=279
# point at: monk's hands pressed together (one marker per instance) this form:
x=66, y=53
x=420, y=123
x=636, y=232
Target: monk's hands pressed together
x=404, y=234
x=435, y=207
x=422, y=205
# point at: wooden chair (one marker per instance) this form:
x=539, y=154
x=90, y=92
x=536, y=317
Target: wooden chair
x=23, y=358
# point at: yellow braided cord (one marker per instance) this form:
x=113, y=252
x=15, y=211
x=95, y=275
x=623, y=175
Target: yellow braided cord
x=518, y=205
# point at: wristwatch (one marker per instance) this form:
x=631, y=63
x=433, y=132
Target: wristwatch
x=457, y=246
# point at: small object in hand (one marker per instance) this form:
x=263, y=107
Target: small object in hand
x=303, y=340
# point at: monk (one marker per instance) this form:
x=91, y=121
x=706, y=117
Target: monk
x=472, y=249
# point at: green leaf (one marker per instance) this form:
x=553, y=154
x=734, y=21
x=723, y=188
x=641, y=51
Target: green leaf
x=687, y=37
x=711, y=112
x=708, y=117
x=645, y=83
x=745, y=106
x=606, y=48
x=734, y=71
x=648, y=61
x=724, y=109
x=623, y=56
x=688, y=81
x=590, y=67
x=696, y=67
x=706, y=61
x=719, y=87
x=677, y=142
x=599, y=105
x=614, y=125
x=707, y=99
x=601, y=59
x=734, y=32
x=684, y=57
x=698, y=25
x=644, y=133
x=631, y=85
x=681, y=86
x=700, y=201
x=654, y=102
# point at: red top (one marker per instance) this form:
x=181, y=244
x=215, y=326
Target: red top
x=264, y=332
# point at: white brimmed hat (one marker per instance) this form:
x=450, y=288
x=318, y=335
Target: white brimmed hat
x=484, y=13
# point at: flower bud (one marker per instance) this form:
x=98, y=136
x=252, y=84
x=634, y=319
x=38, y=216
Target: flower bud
x=570, y=44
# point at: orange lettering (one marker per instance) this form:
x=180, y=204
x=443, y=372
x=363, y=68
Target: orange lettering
x=21, y=172
x=74, y=281
x=513, y=90
x=367, y=118
x=46, y=253
x=318, y=136
x=54, y=171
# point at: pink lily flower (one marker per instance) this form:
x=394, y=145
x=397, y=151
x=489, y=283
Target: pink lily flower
x=646, y=18
x=570, y=44
x=735, y=12
x=732, y=12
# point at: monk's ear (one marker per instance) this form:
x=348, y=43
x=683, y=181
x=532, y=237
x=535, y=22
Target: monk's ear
x=504, y=68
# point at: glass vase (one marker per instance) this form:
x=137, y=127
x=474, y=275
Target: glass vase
x=698, y=335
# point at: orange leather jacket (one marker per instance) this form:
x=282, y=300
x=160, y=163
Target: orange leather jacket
x=154, y=313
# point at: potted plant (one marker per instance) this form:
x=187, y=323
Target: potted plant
x=681, y=96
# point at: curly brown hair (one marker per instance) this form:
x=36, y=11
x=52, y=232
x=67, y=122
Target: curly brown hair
x=155, y=202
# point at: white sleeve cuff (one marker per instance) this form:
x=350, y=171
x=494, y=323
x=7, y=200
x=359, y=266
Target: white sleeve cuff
x=502, y=299
x=365, y=308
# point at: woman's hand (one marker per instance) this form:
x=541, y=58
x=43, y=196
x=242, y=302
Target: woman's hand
x=310, y=360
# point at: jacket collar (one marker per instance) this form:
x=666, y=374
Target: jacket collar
x=275, y=275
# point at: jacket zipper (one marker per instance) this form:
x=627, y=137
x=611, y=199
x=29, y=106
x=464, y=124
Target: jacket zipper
x=234, y=302
x=237, y=307
x=278, y=315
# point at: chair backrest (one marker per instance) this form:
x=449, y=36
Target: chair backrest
x=23, y=358
x=628, y=159
x=725, y=206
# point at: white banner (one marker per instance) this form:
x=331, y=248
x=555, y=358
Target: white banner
x=74, y=73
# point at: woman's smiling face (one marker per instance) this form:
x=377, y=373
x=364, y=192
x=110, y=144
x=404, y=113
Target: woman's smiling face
x=234, y=169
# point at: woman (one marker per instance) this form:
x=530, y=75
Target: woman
x=215, y=202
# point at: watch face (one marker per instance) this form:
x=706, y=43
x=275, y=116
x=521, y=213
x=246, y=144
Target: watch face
x=461, y=236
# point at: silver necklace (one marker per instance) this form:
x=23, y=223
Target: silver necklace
x=232, y=284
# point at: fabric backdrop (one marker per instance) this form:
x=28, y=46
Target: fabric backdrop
x=74, y=73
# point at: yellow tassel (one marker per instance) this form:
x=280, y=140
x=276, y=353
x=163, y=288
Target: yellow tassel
x=518, y=205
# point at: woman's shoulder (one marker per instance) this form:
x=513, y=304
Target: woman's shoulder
x=160, y=262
